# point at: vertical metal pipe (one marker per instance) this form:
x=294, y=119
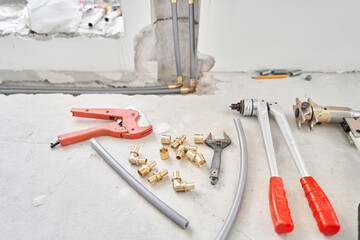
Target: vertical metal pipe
x=176, y=37
x=192, y=39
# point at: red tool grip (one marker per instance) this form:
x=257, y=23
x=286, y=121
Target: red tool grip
x=280, y=212
x=321, y=207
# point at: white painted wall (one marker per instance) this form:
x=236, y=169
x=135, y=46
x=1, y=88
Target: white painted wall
x=322, y=35
x=79, y=54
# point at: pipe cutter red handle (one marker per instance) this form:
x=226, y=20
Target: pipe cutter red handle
x=124, y=125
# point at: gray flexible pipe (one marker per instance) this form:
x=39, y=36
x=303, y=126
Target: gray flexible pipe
x=176, y=38
x=143, y=191
x=78, y=91
x=230, y=220
x=192, y=40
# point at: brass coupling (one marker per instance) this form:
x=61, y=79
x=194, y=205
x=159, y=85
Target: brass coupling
x=166, y=139
x=164, y=153
x=198, y=138
x=198, y=158
x=180, y=152
x=146, y=168
x=134, y=157
x=178, y=141
x=178, y=185
x=157, y=176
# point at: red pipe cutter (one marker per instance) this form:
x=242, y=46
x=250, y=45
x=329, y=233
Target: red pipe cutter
x=124, y=125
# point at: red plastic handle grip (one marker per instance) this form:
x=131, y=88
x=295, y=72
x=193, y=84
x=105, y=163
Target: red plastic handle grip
x=280, y=212
x=321, y=207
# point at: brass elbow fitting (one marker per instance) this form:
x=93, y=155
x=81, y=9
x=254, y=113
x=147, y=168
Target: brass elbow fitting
x=198, y=138
x=166, y=139
x=179, y=84
x=197, y=158
x=178, y=141
x=146, y=168
x=164, y=153
x=180, y=152
x=157, y=176
x=134, y=157
x=178, y=185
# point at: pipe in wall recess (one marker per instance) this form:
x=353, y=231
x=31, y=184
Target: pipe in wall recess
x=135, y=184
x=97, y=17
x=176, y=37
x=113, y=15
x=77, y=91
x=192, y=39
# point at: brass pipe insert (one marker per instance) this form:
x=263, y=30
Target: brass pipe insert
x=166, y=139
x=134, y=157
x=178, y=185
x=191, y=148
x=157, y=176
x=164, y=153
x=180, y=152
x=178, y=141
x=199, y=138
x=146, y=168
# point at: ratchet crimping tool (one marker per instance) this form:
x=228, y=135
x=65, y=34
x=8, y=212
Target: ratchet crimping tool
x=319, y=203
x=124, y=125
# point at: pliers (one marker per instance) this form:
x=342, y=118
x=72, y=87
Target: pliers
x=123, y=125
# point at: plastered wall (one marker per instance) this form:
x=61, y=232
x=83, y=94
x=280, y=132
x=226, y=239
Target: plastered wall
x=246, y=35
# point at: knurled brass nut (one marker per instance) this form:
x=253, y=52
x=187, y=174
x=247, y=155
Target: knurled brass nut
x=191, y=155
x=166, y=139
x=164, y=153
x=198, y=138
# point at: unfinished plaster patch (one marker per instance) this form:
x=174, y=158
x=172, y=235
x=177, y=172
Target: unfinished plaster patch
x=111, y=75
x=162, y=127
x=56, y=77
x=39, y=200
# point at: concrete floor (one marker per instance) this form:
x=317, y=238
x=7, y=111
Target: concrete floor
x=71, y=193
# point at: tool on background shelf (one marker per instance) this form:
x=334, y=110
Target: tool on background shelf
x=124, y=125
x=135, y=184
x=270, y=76
x=314, y=114
x=320, y=205
x=218, y=145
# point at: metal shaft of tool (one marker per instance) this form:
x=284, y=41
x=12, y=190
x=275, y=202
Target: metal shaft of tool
x=285, y=129
x=143, y=191
x=176, y=38
x=192, y=39
x=263, y=118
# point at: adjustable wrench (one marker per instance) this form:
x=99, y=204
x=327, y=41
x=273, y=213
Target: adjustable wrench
x=218, y=145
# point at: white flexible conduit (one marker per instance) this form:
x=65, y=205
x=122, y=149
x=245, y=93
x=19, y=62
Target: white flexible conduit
x=230, y=220
x=143, y=191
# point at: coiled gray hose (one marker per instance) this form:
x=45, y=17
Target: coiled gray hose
x=143, y=191
x=230, y=220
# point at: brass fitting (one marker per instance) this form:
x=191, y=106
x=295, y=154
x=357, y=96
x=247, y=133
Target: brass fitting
x=146, y=168
x=178, y=186
x=178, y=141
x=179, y=83
x=134, y=157
x=157, y=176
x=191, y=155
x=173, y=1
x=164, y=153
x=180, y=152
x=197, y=158
x=198, y=138
x=191, y=1
x=166, y=139
x=200, y=160
x=191, y=148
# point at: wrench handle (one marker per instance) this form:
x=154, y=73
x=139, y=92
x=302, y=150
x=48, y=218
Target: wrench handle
x=215, y=166
x=321, y=207
x=280, y=212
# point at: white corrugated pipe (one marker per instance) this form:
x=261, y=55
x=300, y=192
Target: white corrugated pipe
x=113, y=15
x=97, y=17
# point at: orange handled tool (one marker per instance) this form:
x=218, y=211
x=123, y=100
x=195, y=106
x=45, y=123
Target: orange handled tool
x=123, y=125
x=320, y=205
x=270, y=76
